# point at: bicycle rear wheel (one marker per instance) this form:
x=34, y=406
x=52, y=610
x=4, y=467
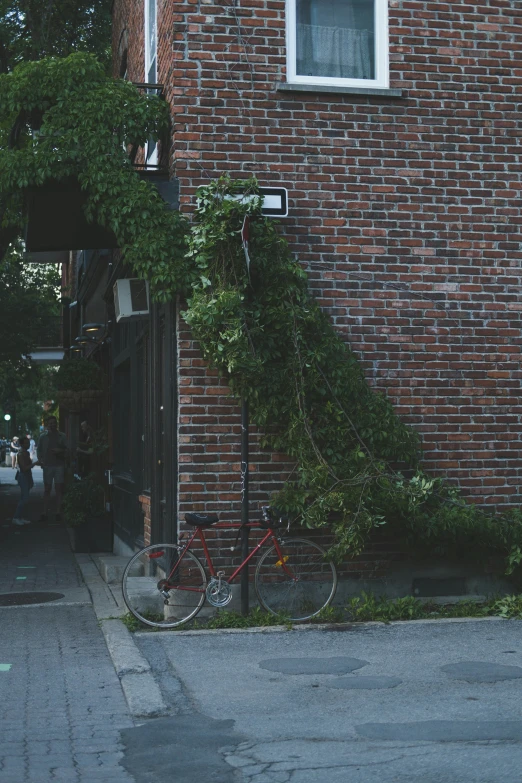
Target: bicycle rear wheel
x=156, y=603
x=299, y=586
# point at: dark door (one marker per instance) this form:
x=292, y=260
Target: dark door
x=145, y=426
x=131, y=428
x=164, y=426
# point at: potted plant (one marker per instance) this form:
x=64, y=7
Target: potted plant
x=79, y=384
x=84, y=512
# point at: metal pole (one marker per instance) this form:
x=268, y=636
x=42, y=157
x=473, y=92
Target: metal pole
x=244, y=506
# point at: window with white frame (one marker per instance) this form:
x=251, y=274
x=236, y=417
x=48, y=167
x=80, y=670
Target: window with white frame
x=151, y=65
x=338, y=42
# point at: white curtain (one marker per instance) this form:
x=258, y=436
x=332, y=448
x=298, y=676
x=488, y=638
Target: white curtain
x=334, y=51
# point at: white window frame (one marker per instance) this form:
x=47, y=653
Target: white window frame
x=382, y=53
x=151, y=158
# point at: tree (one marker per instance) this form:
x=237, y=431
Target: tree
x=29, y=308
x=32, y=29
x=26, y=392
x=29, y=293
x=29, y=316
x=74, y=121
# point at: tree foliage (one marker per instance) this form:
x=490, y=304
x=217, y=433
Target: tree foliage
x=74, y=120
x=83, y=500
x=261, y=327
x=27, y=391
x=78, y=375
x=29, y=317
x=33, y=29
x=29, y=307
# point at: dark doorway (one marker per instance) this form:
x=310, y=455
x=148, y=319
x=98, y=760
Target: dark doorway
x=164, y=426
x=144, y=425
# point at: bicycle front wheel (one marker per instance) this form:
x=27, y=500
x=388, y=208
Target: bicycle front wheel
x=160, y=591
x=300, y=584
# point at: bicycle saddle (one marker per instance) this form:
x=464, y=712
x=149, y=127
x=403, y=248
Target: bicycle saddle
x=201, y=520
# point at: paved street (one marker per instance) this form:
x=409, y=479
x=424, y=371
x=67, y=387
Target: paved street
x=35, y=557
x=431, y=702
x=62, y=703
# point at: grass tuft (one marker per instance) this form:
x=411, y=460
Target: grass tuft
x=364, y=608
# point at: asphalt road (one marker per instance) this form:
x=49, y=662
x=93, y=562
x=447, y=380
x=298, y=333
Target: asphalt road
x=430, y=702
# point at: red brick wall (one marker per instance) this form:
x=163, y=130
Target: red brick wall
x=210, y=448
x=145, y=505
x=405, y=212
x=128, y=33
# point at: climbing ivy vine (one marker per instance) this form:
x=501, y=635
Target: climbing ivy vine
x=67, y=118
x=263, y=330
x=356, y=463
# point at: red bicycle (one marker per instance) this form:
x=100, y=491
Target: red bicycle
x=165, y=585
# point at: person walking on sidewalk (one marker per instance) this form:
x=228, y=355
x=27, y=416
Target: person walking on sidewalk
x=52, y=453
x=14, y=448
x=25, y=481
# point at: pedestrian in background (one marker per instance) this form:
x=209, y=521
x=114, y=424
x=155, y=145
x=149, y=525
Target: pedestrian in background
x=32, y=447
x=52, y=454
x=14, y=448
x=25, y=481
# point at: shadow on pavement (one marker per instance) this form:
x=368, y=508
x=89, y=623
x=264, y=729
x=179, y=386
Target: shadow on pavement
x=186, y=745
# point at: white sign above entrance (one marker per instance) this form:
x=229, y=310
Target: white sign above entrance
x=275, y=201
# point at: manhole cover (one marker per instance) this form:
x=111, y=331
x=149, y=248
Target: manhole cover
x=23, y=599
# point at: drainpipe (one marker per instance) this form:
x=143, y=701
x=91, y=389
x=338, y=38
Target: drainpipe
x=244, y=507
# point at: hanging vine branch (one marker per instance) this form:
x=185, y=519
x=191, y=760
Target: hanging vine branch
x=267, y=335
x=79, y=122
x=262, y=328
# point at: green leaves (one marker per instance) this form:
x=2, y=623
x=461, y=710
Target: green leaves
x=82, y=500
x=85, y=121
x=32, y=29
x=265, y=333
x=78, y=375
x=29, y=306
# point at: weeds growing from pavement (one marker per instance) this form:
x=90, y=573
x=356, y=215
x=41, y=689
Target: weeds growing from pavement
x=364, y=608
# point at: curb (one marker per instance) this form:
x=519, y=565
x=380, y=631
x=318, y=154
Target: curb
x=355, y=626
x=141, y=690
x=139, y=686
x=126, y=657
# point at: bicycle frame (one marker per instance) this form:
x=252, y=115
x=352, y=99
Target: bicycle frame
x=198, y=532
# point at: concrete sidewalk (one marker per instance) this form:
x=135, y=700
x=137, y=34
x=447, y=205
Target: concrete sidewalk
x=35, y=557
x=63, y=692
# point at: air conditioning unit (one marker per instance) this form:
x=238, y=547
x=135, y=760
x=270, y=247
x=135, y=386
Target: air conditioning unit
x=131, y=299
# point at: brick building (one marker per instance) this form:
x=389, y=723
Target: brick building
x=395, y=128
